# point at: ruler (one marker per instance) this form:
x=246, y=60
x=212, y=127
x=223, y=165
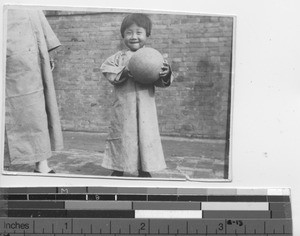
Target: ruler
x=55, y=211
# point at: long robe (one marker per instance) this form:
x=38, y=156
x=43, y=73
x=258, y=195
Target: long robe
x=32, y=120
x=134, y=141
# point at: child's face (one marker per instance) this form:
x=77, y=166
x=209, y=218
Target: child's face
x=135, y=37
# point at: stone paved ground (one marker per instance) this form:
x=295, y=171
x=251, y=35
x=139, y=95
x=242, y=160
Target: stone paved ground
x=185, y=158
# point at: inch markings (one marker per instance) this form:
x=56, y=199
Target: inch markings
x=93, y=211
x=146, y=227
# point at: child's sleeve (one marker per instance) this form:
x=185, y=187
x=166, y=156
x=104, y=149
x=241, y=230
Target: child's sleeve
x=165, y=82
x=112, y=70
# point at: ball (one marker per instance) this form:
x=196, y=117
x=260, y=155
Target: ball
x=145, y=65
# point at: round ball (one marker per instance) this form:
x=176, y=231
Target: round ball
x=145, y=65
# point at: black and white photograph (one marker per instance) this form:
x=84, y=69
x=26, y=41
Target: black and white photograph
x=118, y=93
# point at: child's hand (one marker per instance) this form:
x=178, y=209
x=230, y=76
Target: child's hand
x=127, y=73
x=52, y=64
x=165, y=70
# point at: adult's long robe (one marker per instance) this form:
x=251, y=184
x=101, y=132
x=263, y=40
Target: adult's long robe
x=32, y=121
x=134, y=141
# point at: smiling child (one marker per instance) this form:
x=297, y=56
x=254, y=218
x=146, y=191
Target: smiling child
x=134, y=143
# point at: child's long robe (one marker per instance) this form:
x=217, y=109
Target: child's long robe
x=32, y=121
x=134, y=141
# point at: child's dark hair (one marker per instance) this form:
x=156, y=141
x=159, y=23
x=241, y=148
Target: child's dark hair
x=140, y=20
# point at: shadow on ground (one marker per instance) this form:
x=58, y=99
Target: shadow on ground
x=185, y=158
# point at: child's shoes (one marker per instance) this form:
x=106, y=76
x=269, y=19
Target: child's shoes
x=50, y=172
x=144, y=174
x=117, y=173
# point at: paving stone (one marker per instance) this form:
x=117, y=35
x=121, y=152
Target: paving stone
x=84, y=152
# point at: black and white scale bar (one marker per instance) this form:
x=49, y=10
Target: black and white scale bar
x=67, y=226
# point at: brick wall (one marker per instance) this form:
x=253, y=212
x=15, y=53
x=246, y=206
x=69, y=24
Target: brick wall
x=198, y=48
